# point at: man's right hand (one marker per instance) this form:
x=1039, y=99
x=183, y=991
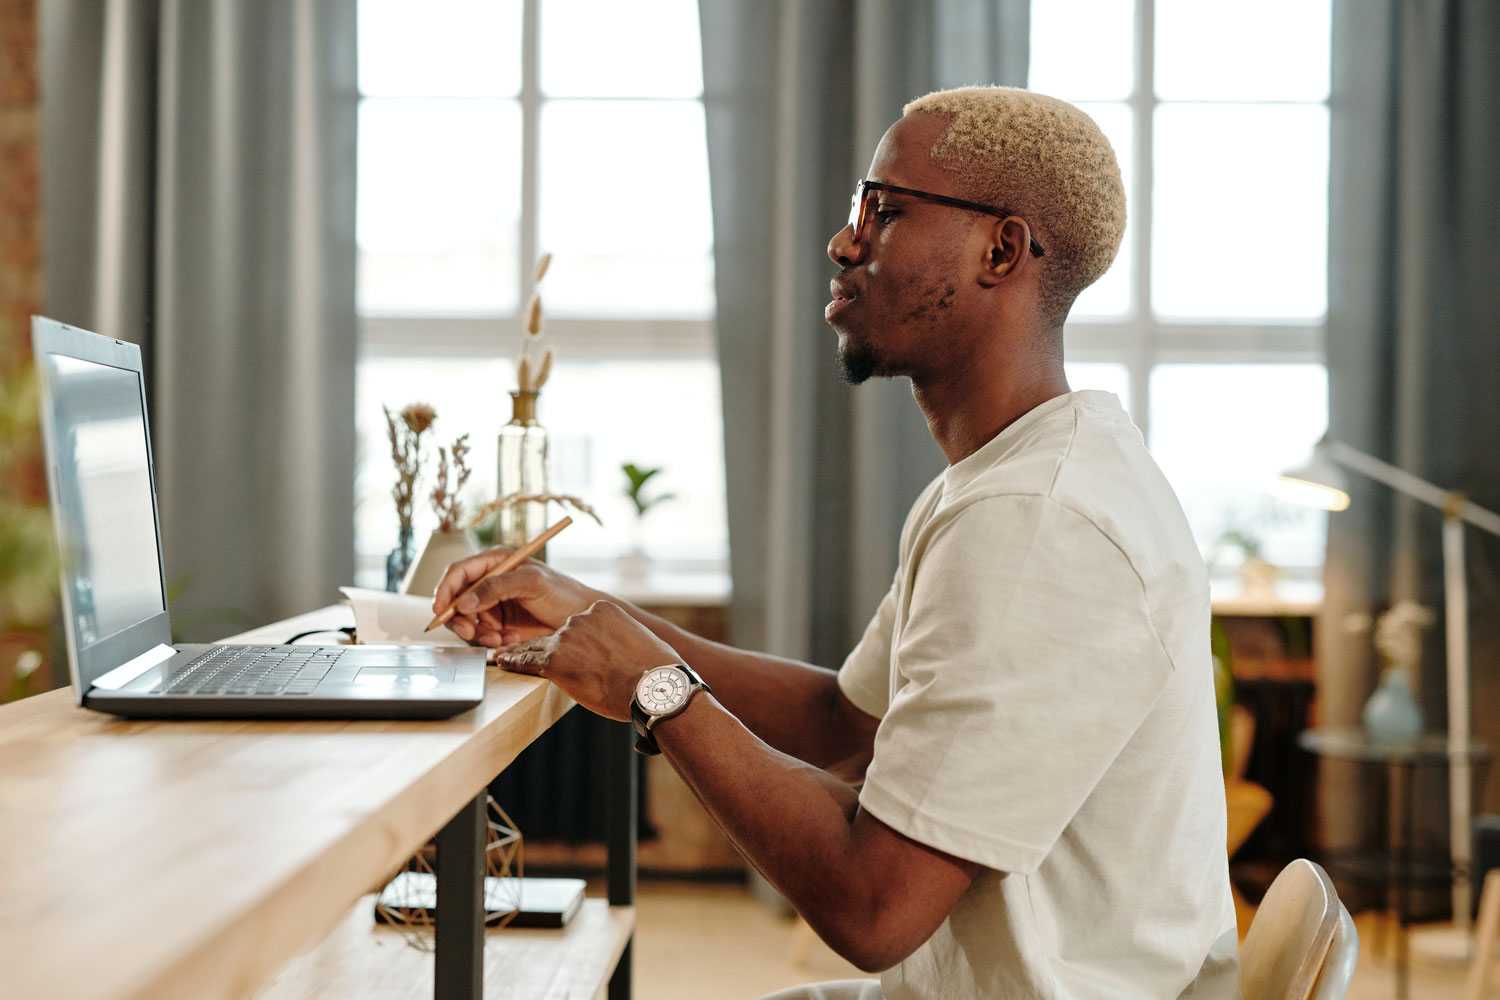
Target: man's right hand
x=531, y=600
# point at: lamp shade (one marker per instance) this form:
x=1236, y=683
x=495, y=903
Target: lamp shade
x=1316, y=483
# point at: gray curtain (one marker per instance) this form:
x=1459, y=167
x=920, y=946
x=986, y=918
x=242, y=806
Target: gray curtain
x=1413, y=350
x=820, y=476
x=199, y=200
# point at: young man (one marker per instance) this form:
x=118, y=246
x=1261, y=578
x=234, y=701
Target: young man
x=1030, y=713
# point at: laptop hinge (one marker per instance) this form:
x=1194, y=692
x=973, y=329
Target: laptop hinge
x=127, y=672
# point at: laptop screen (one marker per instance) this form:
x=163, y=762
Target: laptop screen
x=105, y=502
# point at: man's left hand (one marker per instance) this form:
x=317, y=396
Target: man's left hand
x=597, y=657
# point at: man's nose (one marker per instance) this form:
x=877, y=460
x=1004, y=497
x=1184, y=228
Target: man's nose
x=844, y=250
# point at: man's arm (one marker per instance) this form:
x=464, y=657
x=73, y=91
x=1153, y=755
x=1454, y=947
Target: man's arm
x=795, y=707
x=874, y=895
x=871, y=893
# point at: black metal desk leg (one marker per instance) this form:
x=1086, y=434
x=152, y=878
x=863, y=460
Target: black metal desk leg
x=621, y=765
x=460, y=905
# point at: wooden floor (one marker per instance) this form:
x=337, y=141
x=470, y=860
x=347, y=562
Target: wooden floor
x=697, y=940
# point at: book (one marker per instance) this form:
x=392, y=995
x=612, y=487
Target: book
x=411, y=897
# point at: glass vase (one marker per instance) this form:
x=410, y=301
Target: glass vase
x=522, y=453
x=399, y=561
x=1392, y=715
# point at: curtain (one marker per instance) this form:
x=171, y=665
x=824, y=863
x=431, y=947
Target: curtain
x=820, y=476
x=199, y=201
x=1413, y=353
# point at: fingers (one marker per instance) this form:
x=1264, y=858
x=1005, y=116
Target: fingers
x=519, y=584
x=464, y=572
x=530, y=657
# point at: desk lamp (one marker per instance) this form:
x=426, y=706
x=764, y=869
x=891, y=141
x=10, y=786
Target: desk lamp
x=1319, y=484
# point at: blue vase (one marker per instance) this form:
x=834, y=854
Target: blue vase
x=399, y=561
x=1392, y=715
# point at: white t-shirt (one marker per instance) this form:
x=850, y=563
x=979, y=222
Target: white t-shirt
x=1041, y=671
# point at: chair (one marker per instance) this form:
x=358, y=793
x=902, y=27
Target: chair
x=1486, y=935
x=1302, y=943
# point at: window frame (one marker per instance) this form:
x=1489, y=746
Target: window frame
x=496, y=335
x=1141, y=340
x=585, y=338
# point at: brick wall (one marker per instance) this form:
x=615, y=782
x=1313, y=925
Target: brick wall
x=20, y=188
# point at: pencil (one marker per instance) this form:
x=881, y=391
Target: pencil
x=515, y=559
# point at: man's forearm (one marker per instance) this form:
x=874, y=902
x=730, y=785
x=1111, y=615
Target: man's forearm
x=795, y=707
x=803, y=829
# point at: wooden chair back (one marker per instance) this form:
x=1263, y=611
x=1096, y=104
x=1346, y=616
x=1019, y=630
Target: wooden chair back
x=1291, y=934
x=1338, y=967
x=1486, y=936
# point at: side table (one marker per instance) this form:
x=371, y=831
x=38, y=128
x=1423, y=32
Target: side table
x=1396, y=867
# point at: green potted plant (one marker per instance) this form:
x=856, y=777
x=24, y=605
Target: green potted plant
x=635, y=562
x=28, y=556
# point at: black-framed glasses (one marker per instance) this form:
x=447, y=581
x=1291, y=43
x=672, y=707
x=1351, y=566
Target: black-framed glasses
x=859, y=208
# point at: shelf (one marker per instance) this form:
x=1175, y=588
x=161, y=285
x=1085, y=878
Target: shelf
x=1377, y=867
x=361, y=958
x=1287, y=598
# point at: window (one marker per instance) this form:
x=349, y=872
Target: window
x=491, y=131
x=1212, y=317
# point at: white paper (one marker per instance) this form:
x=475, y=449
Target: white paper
x=381, y=617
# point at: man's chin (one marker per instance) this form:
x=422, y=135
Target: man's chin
x=857, y=365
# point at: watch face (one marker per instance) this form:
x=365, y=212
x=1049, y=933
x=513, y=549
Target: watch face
x=662, y=690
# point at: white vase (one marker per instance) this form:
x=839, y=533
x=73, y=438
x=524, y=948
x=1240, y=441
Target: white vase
x=1392, y=715
x=442, y=549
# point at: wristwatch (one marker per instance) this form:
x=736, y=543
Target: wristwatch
x=661, y=693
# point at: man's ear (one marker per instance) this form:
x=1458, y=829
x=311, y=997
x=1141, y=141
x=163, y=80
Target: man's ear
x=1006, y=251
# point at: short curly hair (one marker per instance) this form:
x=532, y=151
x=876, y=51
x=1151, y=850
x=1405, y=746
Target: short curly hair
x=1044, y=160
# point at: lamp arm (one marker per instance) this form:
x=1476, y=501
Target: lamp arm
x=1405, y=483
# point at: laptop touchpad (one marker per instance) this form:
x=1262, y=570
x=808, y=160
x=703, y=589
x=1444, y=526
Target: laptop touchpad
x=404, y=678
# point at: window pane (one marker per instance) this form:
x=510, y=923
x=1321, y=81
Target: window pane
x=1109, y=297
x=604, y=48
x=1240, y=212
x=657, y=414
x=1222, y=432
x=440, y=48
x=439, y=206
x=1271, y=50
x=598, y=414
x=1082, y=50
x=1103, y=375
x=631, y=234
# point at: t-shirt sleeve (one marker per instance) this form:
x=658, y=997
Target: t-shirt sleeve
x=1027, y=662
x=865, y=677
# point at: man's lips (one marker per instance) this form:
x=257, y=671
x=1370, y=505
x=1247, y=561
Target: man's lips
x=842, y=294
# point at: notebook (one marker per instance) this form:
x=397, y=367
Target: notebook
x=120, y=652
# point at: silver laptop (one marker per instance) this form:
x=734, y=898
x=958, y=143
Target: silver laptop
x=120, y=650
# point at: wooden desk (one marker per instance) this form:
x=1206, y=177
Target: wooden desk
x=196, y=859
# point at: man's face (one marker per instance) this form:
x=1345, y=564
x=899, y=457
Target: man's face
x=903, y=293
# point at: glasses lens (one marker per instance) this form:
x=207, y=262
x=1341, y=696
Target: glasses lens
x=857, y=211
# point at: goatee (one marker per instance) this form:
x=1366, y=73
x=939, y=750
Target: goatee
x=857, y=364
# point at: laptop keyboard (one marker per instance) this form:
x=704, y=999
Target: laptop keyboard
x=257, y=670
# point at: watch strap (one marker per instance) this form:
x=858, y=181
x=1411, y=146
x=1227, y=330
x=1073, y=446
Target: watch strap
x=645, y=739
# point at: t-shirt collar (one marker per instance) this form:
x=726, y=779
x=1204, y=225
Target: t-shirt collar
x=994, y=450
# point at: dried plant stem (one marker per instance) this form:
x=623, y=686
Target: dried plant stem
x=515, y=499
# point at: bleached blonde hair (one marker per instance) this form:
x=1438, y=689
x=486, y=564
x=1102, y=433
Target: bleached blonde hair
x=1044, y=160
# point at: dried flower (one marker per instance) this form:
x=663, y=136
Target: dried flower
x=1398, y=633
x=405, y=433
x=530, y=376
x=534, y=315
x=418, y=417
x=545, y=370
x=445, y=503
x=489, y=510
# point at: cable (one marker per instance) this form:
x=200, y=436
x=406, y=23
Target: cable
x=346, y=630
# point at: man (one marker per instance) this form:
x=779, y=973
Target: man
x=1031, y=711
